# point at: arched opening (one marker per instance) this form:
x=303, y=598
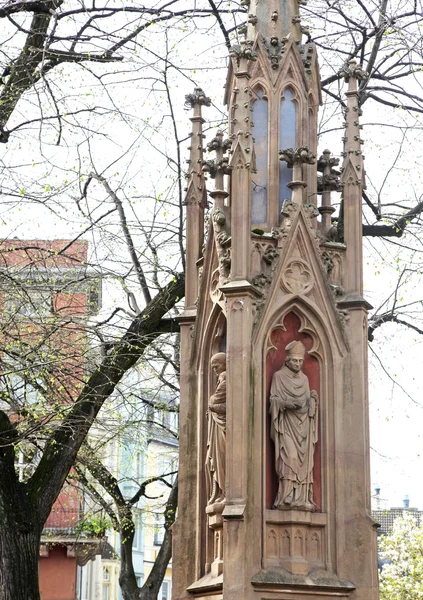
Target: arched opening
x=281, y=336
x=287, y=139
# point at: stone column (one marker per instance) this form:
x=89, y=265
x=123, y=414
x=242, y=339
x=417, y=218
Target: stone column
x=241, y=162
x=296, y=159
x=239, y=497
x=186, y=564
x=328, y=182
x=353, y=182
x=356, y=533
x=196, y=199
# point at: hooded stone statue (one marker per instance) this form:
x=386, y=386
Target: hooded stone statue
x=294, y=429
x=216, y=442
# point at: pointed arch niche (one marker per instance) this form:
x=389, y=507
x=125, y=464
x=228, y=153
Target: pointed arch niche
x=287, y=139
x=213, y=341
x=284, y=332
x=260, y=179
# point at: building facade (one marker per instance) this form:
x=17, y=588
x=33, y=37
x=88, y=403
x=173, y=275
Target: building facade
x=46, y=296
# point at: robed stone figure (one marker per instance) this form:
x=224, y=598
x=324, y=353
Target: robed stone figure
x=216, y=439
x=294, y=429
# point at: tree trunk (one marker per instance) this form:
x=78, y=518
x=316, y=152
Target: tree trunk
x=20, y=527
x=19, y=554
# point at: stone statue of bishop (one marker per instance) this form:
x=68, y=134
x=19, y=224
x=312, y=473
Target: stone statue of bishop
x=294, y=429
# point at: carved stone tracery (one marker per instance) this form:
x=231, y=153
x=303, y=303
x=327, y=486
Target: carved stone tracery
x=297, y=277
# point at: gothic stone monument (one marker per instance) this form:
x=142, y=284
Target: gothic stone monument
x=274, y=491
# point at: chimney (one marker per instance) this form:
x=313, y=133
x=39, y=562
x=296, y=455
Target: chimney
x=406, y=501
x=377, y=498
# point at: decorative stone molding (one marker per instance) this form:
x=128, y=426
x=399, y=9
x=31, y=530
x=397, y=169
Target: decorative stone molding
x=286, y=542
x=264, y=260
x=270, y=254
x=213, y=167
x=243, y=50
x=306, y=52
x=288, y=213
x=327, y=262
x=297, y=277
x=237, y=305
x=275, y=49
x=307, y=326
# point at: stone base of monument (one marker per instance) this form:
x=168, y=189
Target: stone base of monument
x=207, y=587
x=296, y=541
x=279, y=584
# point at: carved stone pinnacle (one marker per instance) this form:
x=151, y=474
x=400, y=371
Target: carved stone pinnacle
x=352, y=69
x=243, y=50
x=218, y=143
x=300, y=155
x=198, y=97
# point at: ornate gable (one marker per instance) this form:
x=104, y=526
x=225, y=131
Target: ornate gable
x=300, y=277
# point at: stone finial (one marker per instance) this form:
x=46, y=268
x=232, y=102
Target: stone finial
x=244, y=50
x=221, y=164
x=213, y=167
x=328, y=182
x=353, y=70
x=300, y=155
x=218, y=143
x=296, y=159
x=327, y=160
x=197, y=97
x=352, y=139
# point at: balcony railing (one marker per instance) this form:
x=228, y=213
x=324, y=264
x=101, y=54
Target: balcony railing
x=62, y=521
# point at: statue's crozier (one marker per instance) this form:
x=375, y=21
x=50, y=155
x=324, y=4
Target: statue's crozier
x=216, y=440
x=294, y=429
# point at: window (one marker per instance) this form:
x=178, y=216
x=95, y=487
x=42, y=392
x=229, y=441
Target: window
x=260, y=178
x=137, y=541
x=174, y=421
x=287, y=140
x=106, y=584
x=159, y=529
x=164, y=593
x=29, y=304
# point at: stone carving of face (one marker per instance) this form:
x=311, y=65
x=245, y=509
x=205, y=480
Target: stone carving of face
x=218, y=364
x=294, y=363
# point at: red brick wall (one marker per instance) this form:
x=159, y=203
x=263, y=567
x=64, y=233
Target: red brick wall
x=43, y=253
